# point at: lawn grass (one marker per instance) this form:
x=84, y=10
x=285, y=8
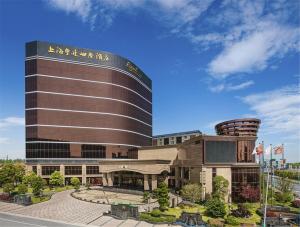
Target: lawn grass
x=37, y=199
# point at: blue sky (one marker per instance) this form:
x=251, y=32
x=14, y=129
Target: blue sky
x=209, y=61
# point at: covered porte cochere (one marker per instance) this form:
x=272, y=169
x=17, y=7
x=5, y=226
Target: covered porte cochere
x=134, y=174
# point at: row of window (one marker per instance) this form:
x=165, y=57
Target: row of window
x=69, y=170
x=62, y=150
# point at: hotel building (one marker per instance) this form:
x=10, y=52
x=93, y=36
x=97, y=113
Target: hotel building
x=89, y=115
x=83, y=105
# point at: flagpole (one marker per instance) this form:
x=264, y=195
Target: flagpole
x=271, y=175
x=282, y=157
x=263, y=170
x=265, y=210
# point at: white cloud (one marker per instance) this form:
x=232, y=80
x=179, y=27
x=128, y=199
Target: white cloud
x=279, y=109
x=253, y=52
x=230, y=87
x=12, y=121
x=80, y=7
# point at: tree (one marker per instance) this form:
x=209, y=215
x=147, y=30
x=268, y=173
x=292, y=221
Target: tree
x=8, y=187
x=11, y=173
x=28, y=178
x=56, y=179
x=250, y=194
x=163, y=196
x=22, y=188
x=215, y=208
x=192, y=192
x=75, y=182
x=37, y=185
x=220, y=187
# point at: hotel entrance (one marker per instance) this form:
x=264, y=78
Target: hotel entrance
x=128, y=180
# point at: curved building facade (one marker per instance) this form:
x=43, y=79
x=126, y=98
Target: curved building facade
x=83, y=103
x=238, y=127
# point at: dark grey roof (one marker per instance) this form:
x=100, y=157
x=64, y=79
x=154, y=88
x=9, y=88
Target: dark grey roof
x=178, y=134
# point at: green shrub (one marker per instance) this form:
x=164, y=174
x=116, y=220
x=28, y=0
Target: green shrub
x=241, y=212
x=230, y=220
x=22, y=188
x=56, y=179
x=215, y=208
x=37, y=185
x=8, y=187
x=75, y=182
x=162, y=218
x=146, y=197
x=155, y=213
x=284, y=197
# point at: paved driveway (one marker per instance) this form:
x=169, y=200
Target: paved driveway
x=63, y=207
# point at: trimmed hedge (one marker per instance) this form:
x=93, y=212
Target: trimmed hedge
x=162, y=218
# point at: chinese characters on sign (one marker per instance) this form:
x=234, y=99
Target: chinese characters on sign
x=78, y=53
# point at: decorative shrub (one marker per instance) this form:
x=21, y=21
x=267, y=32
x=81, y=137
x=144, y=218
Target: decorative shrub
x=230, y=220
x=75, y=182
x=241, y=212
x=215, y=208
x=155, y=213
x=296, y=203
x=162, y=218
x=284, y=197
x=22, y=188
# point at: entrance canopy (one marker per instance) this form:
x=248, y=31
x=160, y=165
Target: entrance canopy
x=139, y=166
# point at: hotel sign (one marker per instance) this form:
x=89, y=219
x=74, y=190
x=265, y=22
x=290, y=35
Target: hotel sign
x=87, y=56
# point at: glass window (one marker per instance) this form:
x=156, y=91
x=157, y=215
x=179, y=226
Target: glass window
x=73, y=170
x=48, y=170
x=92, y=170
x=93, y=151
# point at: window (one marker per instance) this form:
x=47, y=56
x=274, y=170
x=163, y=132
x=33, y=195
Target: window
x=179, y=139
x=73, y=170
x=214, y=172
x=245, y=154
x=243, y=177
x=48, y=170
x=93, y=151
x=34, y=169
x=47, y=150
x=166, y=141
x=92, y=170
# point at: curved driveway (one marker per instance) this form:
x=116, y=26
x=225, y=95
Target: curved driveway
x=63, y=207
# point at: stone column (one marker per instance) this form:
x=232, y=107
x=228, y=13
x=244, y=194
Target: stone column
x=146, y=183
x=39, y=170
x=167, y=180
x=119, y=179
x=62, y=171
x=104, y=181
x=153, y=181
x=109, y=179
x=83, y=181
x=177, y=177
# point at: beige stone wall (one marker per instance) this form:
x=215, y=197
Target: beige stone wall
x=168, y=153
x=208, y=180
x=226, y=173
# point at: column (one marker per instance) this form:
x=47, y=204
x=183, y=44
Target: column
x=154, y=181
x=166, y=180
x=104, y=181
x=146, y=183
x=62, y=171
x=119, y=179
x=83, y=181
x=177, y=177
x=39, y=170
x=109, y=180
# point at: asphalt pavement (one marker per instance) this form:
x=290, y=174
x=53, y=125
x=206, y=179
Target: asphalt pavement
x=11, y=220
